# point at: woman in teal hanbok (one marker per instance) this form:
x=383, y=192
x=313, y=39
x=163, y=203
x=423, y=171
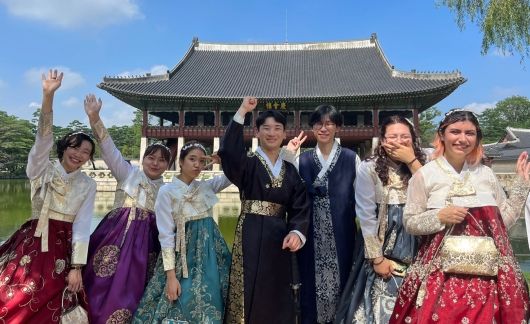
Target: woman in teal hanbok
x=191, y=276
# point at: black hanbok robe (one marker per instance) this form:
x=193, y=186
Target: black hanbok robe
x=261, y=273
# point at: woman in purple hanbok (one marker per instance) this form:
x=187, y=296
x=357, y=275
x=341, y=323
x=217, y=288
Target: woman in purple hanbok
x=124, y=247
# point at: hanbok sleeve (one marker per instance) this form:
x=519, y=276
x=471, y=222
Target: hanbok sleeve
x=366, y=206
x=527, y=219
x=81, y=227
x=218, y=183
x=417, y=219
x=298, y=210
x=119, y=167
x=510, y=208
x=166, y=227
x=40, y=152
x=232, y=152
x=290, y=157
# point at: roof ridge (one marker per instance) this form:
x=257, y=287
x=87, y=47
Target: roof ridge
x=427, y=75
x=365, y=43
x=137, y=78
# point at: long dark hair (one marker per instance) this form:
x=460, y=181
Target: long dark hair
x=381, y=157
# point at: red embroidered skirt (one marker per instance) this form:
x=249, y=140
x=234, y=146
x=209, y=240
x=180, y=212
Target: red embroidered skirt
x=454, y=298
x=31, y=281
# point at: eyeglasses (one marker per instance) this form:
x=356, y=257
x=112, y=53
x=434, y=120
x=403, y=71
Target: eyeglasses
x=327, y=125
x=393, y=137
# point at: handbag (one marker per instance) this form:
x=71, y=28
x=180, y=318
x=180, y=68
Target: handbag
x=473, y=255
x=75, y=314
x=167, y=320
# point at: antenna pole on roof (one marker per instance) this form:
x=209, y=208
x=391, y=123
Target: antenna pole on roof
x=286, y=25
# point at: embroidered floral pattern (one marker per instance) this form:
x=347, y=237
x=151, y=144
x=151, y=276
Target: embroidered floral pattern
x=275, y=182
x=263, y=208
x=327, y=276
x=60, y=264
x=121, y=316
x=106, y=260
x=25, y=260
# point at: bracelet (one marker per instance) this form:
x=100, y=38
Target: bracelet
x=76, y=267
x=378, y=263
x=415, y=159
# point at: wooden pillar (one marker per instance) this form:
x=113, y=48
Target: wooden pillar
x=416, y=120
x=217, y=118
x=376, y=120
x=145, y=120
x=297, y=125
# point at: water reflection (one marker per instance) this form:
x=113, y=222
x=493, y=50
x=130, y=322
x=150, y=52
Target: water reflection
x=15, y=210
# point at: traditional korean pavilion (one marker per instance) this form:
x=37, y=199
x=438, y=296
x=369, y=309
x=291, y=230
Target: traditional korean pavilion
x=198, y=97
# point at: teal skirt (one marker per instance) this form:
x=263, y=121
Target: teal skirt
x=203, y=292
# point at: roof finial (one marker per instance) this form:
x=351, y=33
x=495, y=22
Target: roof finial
x=195, y=41
x=373, y=37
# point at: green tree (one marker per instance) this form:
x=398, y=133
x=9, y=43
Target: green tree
x=504, y=24
x=428, y=125
x=16, y=139
x=512, y=111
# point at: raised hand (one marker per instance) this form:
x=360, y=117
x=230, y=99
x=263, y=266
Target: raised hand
x=248, y=104
x=295, y=143
x=522, y=168
x=92, y=107
x=51, y=82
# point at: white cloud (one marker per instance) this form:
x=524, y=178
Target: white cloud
x=34, y=105
x=154, y=70
x=75, y=13
x=71, y=102
x=71, y=79
x=479, y=107
x=3, y=84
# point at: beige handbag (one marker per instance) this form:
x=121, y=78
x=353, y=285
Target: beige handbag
x=75, y=314
x=473, y=255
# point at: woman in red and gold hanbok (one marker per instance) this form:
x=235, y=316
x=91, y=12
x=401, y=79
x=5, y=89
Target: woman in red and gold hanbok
x=456, y=193
x=46, y=254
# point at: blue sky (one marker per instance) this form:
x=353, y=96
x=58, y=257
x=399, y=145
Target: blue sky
x=89, y=39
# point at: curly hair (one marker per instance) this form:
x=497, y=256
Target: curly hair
x=381, y=157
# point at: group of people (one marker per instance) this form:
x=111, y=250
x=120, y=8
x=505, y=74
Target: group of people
x=322, y=237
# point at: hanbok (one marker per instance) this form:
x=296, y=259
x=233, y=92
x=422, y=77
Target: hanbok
x=369, y=298
x=192, y=245
x=428, y=295
x=124, y=247
x=36, y=259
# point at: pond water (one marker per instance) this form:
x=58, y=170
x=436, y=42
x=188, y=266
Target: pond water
x=15, y=210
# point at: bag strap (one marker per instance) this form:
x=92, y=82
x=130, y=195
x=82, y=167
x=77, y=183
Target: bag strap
x=62, y=300
x=476, y=221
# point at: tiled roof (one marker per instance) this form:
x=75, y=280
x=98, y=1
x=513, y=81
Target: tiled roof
x=352, y=70
x=514, y=142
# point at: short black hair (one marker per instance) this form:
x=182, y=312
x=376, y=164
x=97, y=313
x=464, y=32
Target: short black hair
x=278, y=117
x=334, y=115
x=74, y=139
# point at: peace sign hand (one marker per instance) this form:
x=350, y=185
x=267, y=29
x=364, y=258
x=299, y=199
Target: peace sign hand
x=295, y=143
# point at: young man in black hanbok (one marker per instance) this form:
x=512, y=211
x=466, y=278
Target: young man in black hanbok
x=273, y=222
